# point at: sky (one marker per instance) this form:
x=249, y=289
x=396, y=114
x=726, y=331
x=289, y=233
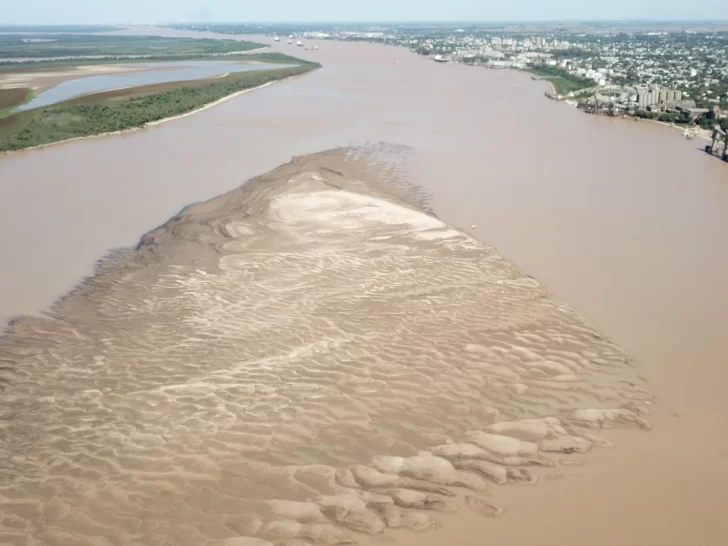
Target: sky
x=170, y=11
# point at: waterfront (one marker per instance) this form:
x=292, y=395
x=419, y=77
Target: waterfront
x=630, y=242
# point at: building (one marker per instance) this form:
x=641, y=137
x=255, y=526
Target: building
x=654, y=96
x=696, y=113
x=685, y=104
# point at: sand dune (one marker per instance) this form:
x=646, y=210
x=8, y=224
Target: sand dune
x=310, y=358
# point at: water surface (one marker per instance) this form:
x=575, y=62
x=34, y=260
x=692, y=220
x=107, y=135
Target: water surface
x=148, y=74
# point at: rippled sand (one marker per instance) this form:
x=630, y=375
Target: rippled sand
x=310, y=358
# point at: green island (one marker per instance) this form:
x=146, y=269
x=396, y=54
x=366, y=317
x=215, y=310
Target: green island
x=563, y=82
x=48, y=46
x=78, y=29
x=128, y=108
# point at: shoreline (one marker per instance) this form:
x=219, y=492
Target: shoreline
x=151, y=123
x=703, y=134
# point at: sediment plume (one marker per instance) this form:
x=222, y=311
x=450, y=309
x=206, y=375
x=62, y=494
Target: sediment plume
x=310, y=358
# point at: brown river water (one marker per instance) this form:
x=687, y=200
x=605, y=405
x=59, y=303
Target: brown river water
x=625, y=222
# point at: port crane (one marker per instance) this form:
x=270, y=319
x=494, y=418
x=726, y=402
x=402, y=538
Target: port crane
x=718, y=146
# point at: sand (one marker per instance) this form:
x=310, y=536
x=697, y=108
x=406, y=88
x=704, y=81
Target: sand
x=310, y=358
x=42, y=81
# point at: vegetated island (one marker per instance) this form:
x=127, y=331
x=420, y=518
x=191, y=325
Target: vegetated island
x=63, y=46
x=49, y=29
x=131, y=108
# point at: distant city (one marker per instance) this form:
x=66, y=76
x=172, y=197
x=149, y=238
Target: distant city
x=671, y=72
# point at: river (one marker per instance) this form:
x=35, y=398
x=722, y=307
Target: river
x=626, y=221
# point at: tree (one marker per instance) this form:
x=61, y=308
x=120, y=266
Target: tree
x=668, y=118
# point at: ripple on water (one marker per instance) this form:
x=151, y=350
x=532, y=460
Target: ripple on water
x=305, y=359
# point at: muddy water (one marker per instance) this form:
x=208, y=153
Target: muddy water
x=624, y=221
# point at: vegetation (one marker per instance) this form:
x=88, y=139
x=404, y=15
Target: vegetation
x=57, y=28
x=13, y=97
x=129, y=108
x=14, y=46
x=563, y=82
x=645, y=114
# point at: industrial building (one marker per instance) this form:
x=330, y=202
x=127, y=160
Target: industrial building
x=654, y=96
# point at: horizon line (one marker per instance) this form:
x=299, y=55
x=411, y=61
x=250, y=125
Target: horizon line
x=382, y=21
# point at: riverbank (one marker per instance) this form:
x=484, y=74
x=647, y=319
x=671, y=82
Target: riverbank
x=552, y=93
x=700, y=133
x=128, y=108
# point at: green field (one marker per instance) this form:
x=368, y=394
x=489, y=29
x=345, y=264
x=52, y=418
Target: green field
x=25, y=46
x=563, y=82
x=122, y=109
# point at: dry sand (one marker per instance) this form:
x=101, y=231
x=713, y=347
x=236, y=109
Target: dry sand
x=42, y=81
x=310, y=358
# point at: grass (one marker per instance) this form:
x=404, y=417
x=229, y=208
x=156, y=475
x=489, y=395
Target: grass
x=563, y=82
x=124, y=109
x=564, y=86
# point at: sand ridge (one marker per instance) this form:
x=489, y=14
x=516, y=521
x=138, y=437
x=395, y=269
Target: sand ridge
x=309, y=358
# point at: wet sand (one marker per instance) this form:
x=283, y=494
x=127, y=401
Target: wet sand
x=308, y=357
x=623, y=221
